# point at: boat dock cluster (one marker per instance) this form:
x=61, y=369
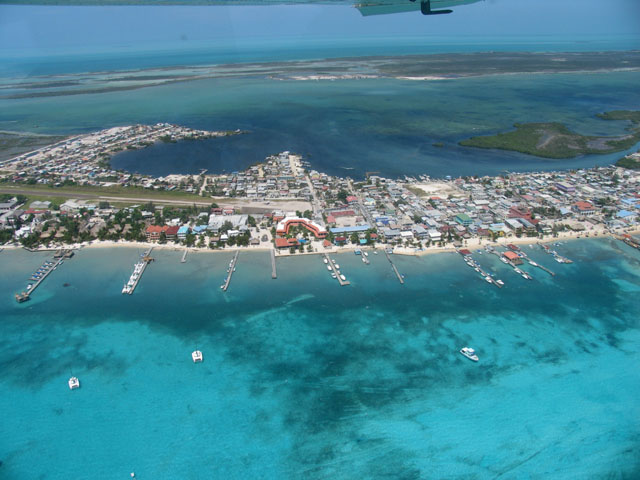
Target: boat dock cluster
x=334, y=269
x=40, y=274
x=559, y=258
x=466, y=255
x=512, y=257
x=138, y=270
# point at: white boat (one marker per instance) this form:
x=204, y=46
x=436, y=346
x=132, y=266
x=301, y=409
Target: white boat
x=325, y=261
x=343, y=277
x=365, y=254
x=74, y=383
x=333, y=275
x=196, y=355
x=503, y=260
x=470, y=353
x=488, y=279
x=125, y=289
x=533, y=263
x=364, y=260
x=337, y=266
x=329, y=267
x=499, y=282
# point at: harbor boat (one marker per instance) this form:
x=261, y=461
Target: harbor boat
x=365, y=254
x=325, y=260
x=197, y=356
x=329, y=267
x=74, y=383
x=364, y=260
x=333, y=275
x=488, y=279
x=357, y=251
x=499, y=282
x=470, y=353
x=343, y=278
x=337, y=266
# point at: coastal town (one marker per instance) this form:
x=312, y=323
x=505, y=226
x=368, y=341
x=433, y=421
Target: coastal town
x=286, y=205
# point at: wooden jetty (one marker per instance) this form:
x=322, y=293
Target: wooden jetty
x=232, y=267
x=393, y=266
x=184, y=256
x=274, y=274
x=336, y=271
x=24, y=296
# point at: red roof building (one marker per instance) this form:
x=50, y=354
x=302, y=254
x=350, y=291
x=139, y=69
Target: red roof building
x=286, y=242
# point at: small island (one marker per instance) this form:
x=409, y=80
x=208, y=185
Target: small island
x=555, y=140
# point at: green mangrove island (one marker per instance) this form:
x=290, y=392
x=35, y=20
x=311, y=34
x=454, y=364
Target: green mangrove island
x=555, y=140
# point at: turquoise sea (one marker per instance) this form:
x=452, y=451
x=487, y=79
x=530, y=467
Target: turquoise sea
x=305, y=379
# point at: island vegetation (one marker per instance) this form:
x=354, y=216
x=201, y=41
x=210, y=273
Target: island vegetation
x=555, y=140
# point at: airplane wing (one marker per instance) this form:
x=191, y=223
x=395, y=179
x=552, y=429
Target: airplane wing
x=384, y=7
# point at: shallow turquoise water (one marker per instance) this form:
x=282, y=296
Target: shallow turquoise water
x=343, y=128
x=304, y=379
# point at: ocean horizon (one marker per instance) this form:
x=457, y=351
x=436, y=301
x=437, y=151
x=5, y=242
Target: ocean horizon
x=305, y=379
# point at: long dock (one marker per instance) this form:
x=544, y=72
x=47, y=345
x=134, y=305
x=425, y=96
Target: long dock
x=542, y=267
x=232, y=267
x=24, y=296
x=146, y=259
x=274, y=274
x=184, y=256
x=336, y=271
x=395, y=269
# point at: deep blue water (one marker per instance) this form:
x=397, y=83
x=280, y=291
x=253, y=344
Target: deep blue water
x=305, y=379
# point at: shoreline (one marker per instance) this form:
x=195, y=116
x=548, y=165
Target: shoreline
x=473, y=245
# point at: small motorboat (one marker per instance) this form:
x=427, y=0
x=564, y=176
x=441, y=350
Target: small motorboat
x=74, y=383
x=197, y=356
x=470, y=353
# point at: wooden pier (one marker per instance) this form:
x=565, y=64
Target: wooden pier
x=232, y=267
x=274, y=274
x=24, y=296
x=393, y=266
x=335, y=270
x=184, y=256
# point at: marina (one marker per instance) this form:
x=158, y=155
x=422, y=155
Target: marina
x=333, y=267
x=395, y=269
x=138, y=270
x=558, y=258
x=230, y=270
x=38, y=277
x=468, y=259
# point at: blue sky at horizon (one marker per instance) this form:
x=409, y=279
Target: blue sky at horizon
x=49, y=28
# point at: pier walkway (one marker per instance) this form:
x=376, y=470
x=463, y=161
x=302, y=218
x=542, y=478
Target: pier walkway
x=274, y=274
x=24, y=296
x=232, y=267
x=395, y=269
x=184, y=256
x=336, y=271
